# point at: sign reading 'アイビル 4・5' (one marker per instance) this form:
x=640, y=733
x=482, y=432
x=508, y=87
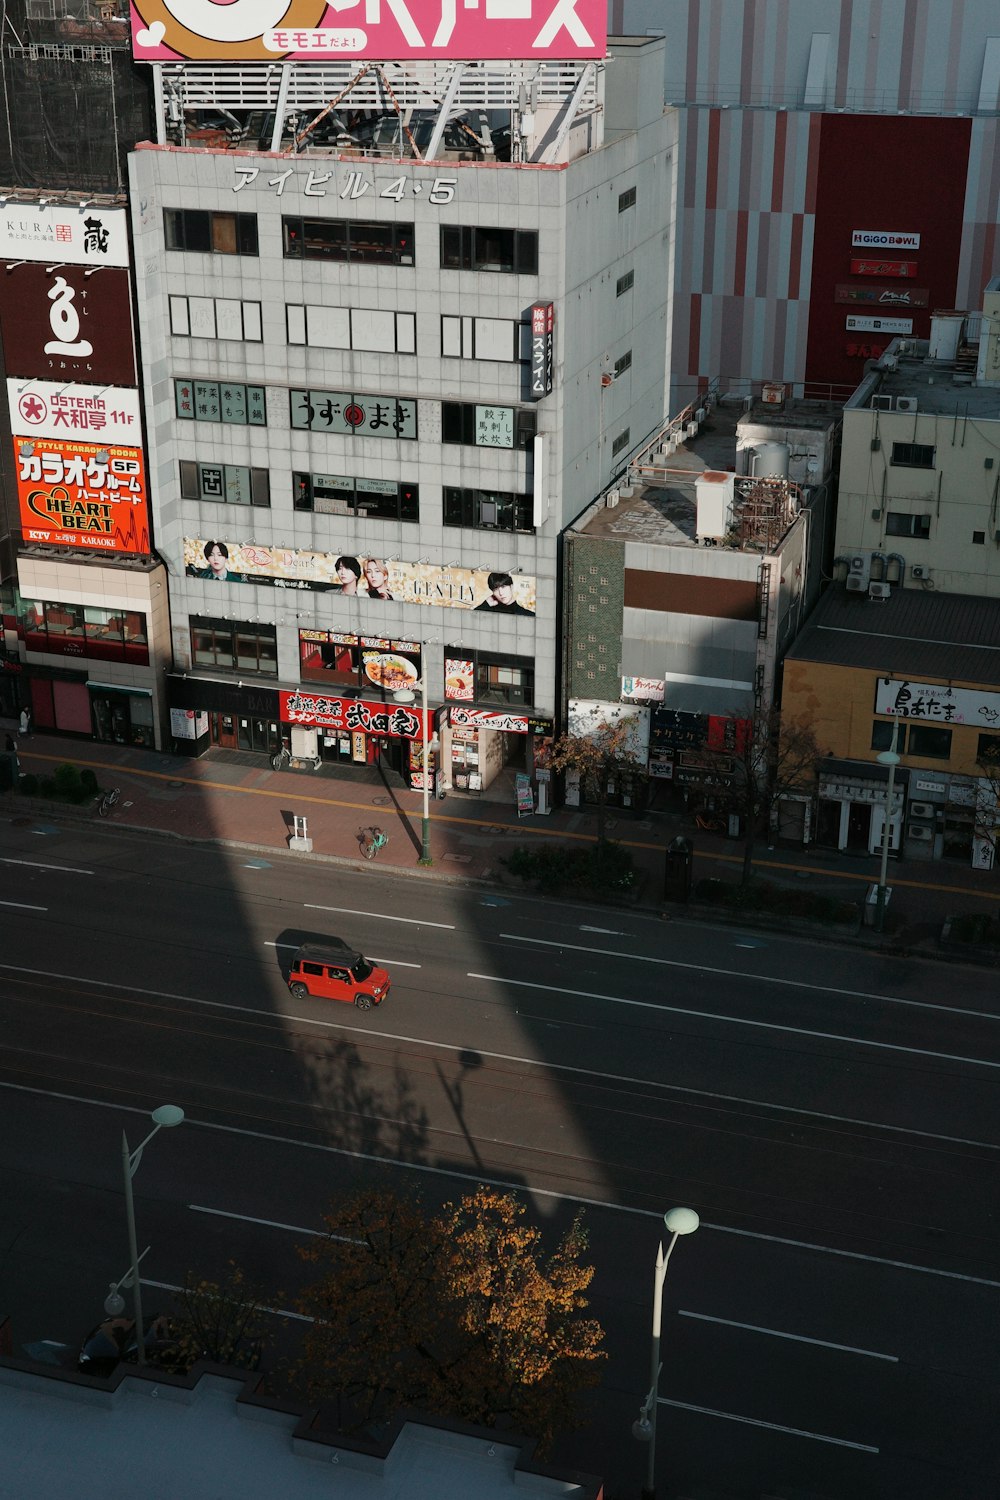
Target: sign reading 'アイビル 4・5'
x=75, y=494
x=377, y=29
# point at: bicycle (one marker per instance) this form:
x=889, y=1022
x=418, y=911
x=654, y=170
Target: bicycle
x=109, y=801
x=372, y=840
x=282, y=759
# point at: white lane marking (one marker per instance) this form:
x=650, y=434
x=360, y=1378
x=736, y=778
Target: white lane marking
x=397, y=963
x=34, y=864
x=532, y=1062
x=518, y=1186
x=382, y=916
x=798, y=1338
x=277, y=1312
x=794, y=984
x=23, y=906
x=609, y=931
x=731, y=1416
x=221, y=1213
x=711, y=1015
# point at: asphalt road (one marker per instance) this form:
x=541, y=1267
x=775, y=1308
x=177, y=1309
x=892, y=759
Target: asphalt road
x=830, y=1114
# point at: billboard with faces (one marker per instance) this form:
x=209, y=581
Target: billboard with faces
x=371, y=580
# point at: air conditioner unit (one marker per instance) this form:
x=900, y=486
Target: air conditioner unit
x=906, y=403
x=919, y=833
x=922, y=809
x=858, y=572
x=772, y=394
x=920, y=570
x=612, y=498
x=881, y=403
x=879, y=591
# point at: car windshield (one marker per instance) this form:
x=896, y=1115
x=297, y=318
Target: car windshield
x=362, y=969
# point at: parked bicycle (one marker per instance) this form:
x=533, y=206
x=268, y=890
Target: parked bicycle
x=709, y=824
x=285, y=759
x=109, y=801
x=372, y=840
x=282, y=759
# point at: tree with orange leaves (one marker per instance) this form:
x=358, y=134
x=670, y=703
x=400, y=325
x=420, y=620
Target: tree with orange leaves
x=458, y=1312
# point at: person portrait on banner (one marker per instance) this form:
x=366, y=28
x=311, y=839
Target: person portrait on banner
x=501, y=596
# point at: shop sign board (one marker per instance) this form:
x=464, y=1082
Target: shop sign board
x=883, y=268
x=76, y=494
x=346, y=414
x=52, y=409
x=66, y=232
x=395, y=31
x=884, y=239
x=649, y=689
x=69, y=325
x=937, y=703
x=860, y=323
x=354, y=715
x=542, y=339
x=493, y=591
x=491, y=718
x=882, y=296
x=587, y=719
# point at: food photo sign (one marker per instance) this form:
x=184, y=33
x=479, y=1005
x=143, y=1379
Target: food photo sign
x=375, y=579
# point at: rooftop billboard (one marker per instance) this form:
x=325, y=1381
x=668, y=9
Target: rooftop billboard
x=379, y=30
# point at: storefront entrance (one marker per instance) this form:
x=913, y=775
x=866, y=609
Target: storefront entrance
x=239, y=732
x=121, y=716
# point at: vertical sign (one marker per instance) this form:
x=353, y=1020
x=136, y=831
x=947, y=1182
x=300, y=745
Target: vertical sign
x=542, y=325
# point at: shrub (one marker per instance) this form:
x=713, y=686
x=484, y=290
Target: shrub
x=28, y=785
x=766, y=896
x=47, y=787
x=88, y=782
x=975, y=927
x=67, y=780
x=600, y=867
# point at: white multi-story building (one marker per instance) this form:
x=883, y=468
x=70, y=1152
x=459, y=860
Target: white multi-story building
x=378, y=387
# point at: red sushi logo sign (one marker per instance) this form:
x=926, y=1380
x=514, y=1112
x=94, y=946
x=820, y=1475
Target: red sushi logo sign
x=82, y=495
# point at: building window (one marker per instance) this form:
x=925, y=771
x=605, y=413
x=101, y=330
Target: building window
x=375, y=242
x=364, y=329
x=913, y=455
x=979, y=538
x=225, y=401
x=487, y=426
x=235, y=646
x=488, y=510
x=210, y=233
x=897, y=524
x=346, y=414
x=930, y=741
x=496, y=678
x=111, y=634
x=621, y=442
x=215, y=318
x=499, y=339
x=988, y=752
x=623, y=364
x=368, y=663
x=882, y=735
x=345, y=495
x=624, y=283
x=225, y=484
x=466, y=247
x=626, y=200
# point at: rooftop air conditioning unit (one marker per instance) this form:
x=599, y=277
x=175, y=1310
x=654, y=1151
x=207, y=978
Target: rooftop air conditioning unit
x=906, y=403
x=922, y=809
x=772, y=394
x=881, y=403
x=919, y=570
x=919, y=833
x=880, y=591
x=612, y=498
x=858, y=571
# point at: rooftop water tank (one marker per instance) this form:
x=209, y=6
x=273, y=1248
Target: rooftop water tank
x=946, y=331
x=714, y=490
x=770, y=461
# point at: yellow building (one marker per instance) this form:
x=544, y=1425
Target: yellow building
x=914, y=672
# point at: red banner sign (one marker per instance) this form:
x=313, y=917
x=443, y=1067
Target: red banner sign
x=82, y=495
x=883, y=268
x=360, y=715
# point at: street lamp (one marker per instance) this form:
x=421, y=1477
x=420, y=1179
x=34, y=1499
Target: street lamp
x=891, y=759
x=406, y=695
x=678, y=1221
x=165, y=1117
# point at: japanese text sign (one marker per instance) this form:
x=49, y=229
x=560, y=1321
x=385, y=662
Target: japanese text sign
x=387, y=30
x=47, y=409
x=64, y=232
x=82, y=495
x=340, y=412
x=937, y=703
x=67, y=323
x=542, y=325
x=359, y=714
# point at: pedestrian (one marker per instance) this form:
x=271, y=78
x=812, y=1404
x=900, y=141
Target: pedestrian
x=25, y=721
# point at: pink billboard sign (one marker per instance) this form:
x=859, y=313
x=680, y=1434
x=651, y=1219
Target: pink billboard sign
x=314, y=30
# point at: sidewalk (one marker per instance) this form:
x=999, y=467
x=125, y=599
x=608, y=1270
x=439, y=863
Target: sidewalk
x=239, y=800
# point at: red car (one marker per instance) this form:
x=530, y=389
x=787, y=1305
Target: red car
x=331, y=973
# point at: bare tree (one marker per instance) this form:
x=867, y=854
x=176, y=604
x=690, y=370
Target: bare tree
x=601, y=759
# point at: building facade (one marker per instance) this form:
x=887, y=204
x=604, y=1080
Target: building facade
x=377, y=389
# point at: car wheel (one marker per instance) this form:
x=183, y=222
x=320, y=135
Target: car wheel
x=363, y=1002
x=299, y=991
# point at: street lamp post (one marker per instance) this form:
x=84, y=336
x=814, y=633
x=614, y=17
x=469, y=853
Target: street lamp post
x=678, y=1221
x=166, y=1116
x=406, y=695
x=891, y=759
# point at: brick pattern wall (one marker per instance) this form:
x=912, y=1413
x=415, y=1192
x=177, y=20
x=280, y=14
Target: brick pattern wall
x=595, y=596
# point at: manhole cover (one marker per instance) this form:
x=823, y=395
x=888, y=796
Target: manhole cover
x=177, y=785
x=381, y=802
